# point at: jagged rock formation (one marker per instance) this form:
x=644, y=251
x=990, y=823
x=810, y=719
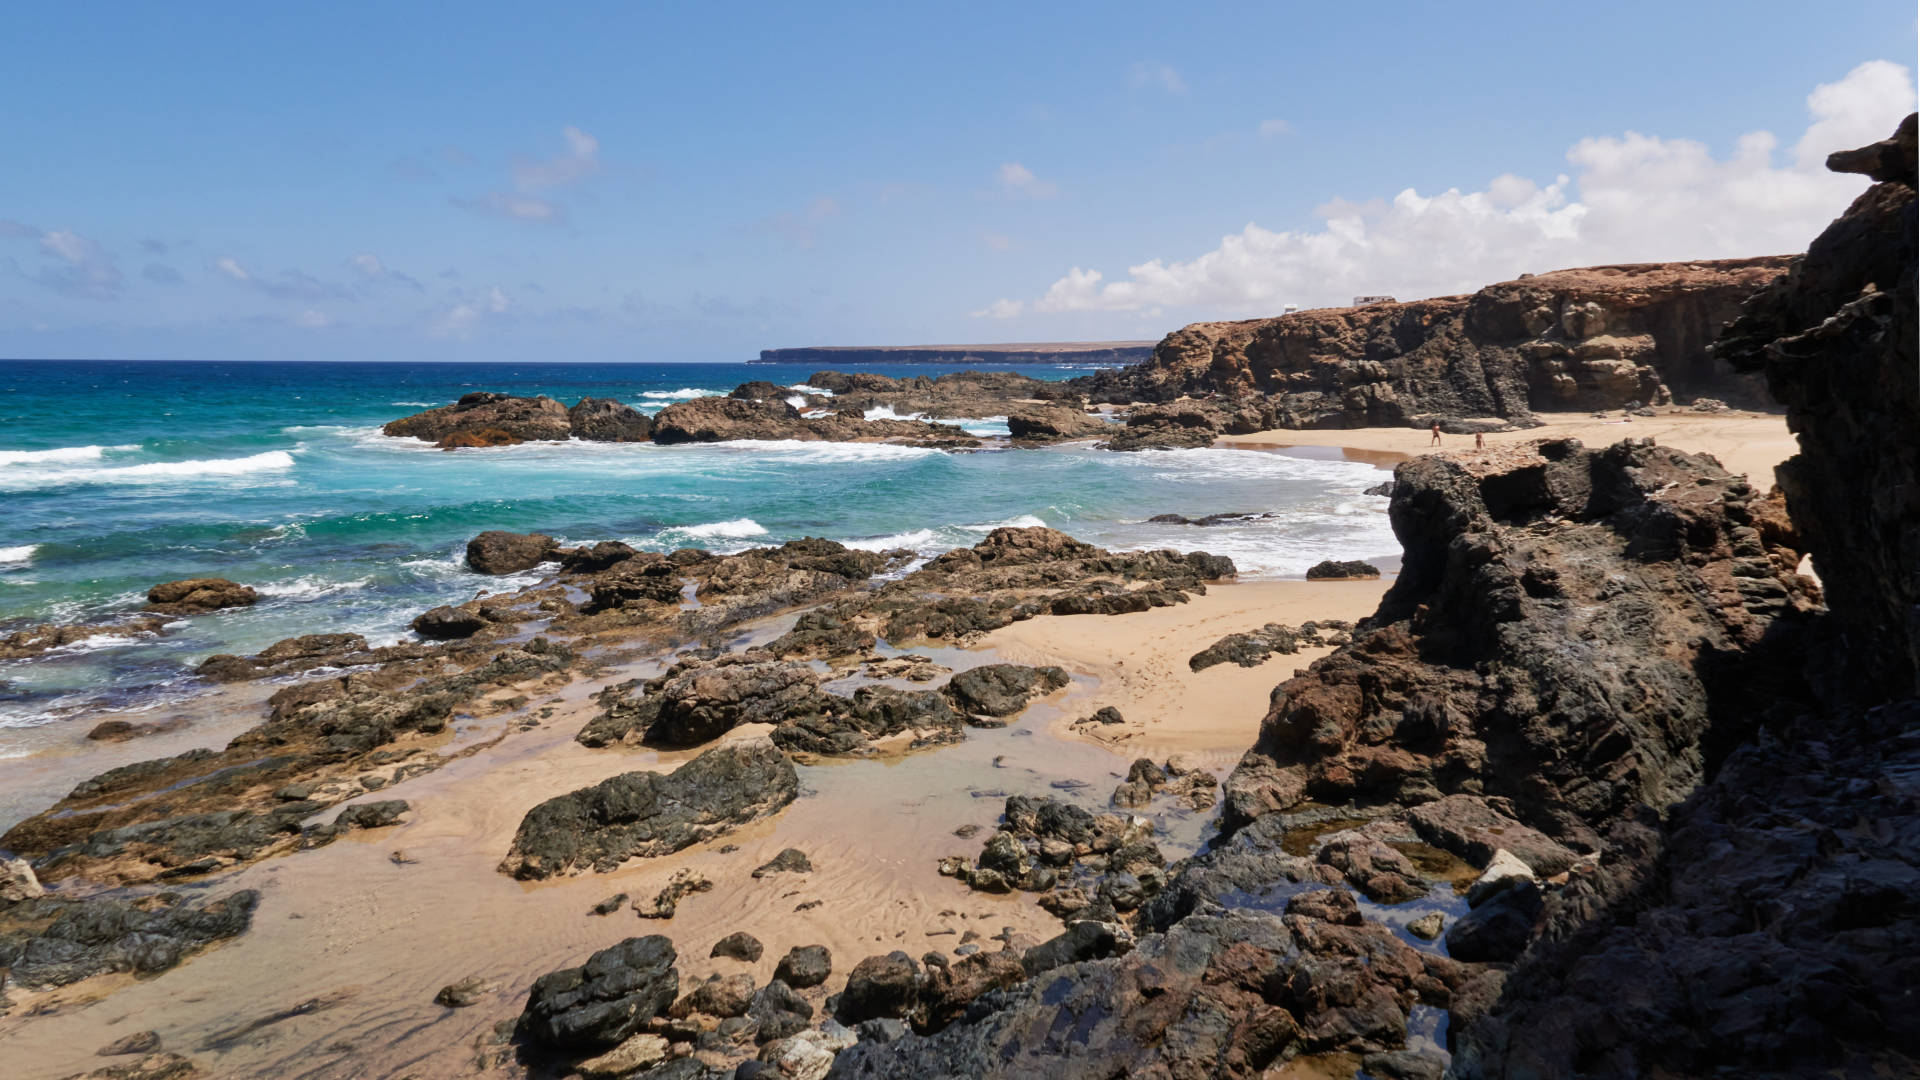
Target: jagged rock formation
x=1835, y=339
x=1770, y=928
x=1601, y=337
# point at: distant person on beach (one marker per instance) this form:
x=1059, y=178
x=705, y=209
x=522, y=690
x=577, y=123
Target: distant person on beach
x=1479, y=441
x=1436, y=434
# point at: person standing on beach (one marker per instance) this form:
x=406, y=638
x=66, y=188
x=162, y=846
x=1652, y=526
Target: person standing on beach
x=1479, y=441
x=1436, y=434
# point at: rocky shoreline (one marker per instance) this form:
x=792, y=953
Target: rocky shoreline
x=1604, y=787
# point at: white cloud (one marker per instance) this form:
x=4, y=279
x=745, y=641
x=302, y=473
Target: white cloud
x=311, y=319
x=231, y=267
x=582, y=158
x=520, y=207
x=1160, y=75
x=531, y=176
x=76, y=266
x=1273, y=127
x=801, y=229
x=285, y=285
x=999, y=309
x=1630, y=198
x=1017, y=179
x=997, y=241
x=462, y=319
x=369, y=264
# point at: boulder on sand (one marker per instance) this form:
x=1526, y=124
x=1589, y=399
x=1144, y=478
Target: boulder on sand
x=645, y=814
x=597, y=1005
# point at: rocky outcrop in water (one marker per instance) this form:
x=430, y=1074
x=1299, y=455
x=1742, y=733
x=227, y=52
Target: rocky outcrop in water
x=1604, y=337
x=726, y=419
x=522, y=419
x=644, y=814
x=195, y=596
x=606, y=420
x=43, y=637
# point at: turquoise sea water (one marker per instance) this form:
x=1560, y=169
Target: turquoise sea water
x=118, y=475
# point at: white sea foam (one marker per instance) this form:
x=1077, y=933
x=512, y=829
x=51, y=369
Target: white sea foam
x=822, y=453
x=737, y=529
x=916, y=540
x=28, y=478
x=885, y=412
x=311, y=587
x=18, y=556
x=59, y=455
x=681, y=394
x=1024, y=521
x=797, y=401
x=805, y=389
x=413, y=404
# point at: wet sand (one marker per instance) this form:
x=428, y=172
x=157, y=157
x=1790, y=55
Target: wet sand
x=356, y=938
x=1139, y=664
x=352, y=941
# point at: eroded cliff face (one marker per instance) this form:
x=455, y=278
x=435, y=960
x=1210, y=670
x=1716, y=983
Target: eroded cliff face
x=1604, y=337
x=1771, y=925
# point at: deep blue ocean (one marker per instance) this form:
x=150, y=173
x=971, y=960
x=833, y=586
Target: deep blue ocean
x=117, y=475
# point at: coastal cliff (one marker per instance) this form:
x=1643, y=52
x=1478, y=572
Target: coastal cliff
x=1686, y=783
x=1604, y=337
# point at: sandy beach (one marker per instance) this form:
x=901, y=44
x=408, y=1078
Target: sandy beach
x=1744, y=442
x=381, y=922
x=1139, y=664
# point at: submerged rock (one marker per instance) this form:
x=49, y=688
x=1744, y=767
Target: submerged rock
x=54, y=941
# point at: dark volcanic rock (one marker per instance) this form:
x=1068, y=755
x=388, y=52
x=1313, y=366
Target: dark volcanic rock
x=496, y=552
x=724, y=419
x=1216, y=996
x=1604, y=337
x=1053, y=423
x=739, y=945
x=607, y=420
x=196, y=595
x=446, y=623
x=644, y=814
x=804, y=966
x=203, y=810
x=1643, y=556
x=880, y=986
x=596, y=1006
x=789, y=861
x=1002, y=689
x=156, y=1066
x=53, y=941
x=1332, y=570
x=1767, y=926
x=517, y=418
x=704, y=703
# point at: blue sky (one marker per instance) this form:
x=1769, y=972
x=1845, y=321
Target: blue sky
x=623, y=182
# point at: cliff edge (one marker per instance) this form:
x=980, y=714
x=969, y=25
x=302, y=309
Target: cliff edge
x=1603, y=337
